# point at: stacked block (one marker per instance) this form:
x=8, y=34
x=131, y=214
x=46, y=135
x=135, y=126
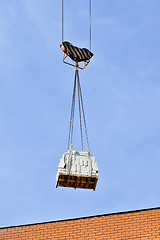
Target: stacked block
x=77, y=170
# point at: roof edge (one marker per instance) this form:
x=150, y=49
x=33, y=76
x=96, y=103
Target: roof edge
x=74, y=219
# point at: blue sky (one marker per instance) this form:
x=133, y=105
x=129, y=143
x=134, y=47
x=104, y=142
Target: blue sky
x=121, y=92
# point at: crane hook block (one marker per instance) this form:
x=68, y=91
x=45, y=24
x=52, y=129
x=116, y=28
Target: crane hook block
x=77, y=170
x=75, y=53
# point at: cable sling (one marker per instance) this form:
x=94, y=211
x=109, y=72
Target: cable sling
x=84, y=119
x=72, y=116
x=81, y=113
x=80, y=118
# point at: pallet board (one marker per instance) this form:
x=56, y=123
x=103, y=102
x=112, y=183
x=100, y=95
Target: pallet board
x=75, y=181
x=77, y=170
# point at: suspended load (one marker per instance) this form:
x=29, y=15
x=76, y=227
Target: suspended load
x=77, y=169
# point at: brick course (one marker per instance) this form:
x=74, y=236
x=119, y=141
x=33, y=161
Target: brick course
x=141, y=224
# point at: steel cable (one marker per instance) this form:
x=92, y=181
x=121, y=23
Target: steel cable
x=62, y=20
x=72, y=115
x=81, y=108
x=80, y=119
x=83, y=111
x=90, y=22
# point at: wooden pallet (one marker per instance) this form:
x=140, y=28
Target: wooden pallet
x=76, y=181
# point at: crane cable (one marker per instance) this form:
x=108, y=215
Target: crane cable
x=90, y=23
x=62, y=22
x=81, y=113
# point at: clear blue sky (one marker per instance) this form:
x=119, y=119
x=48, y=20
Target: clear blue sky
x=121, y=91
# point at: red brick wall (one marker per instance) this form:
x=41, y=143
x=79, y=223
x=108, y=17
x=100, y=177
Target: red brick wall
x=142, y=224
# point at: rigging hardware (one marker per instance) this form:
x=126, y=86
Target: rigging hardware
x=75, y=53
x=77, y=169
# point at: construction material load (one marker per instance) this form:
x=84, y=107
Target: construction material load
x=77, y=170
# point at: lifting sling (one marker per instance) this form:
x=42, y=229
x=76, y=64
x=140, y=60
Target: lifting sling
x=81, y=113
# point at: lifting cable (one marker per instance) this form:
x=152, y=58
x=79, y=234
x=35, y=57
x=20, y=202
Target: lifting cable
x=90, y=23
x=72, y=116
x=84, y=119
x=90, y=15
x=62, y=21
x=81, y=113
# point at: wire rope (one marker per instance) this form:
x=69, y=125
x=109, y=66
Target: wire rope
x=81, y=113
x=70, y=137
x=90, y=22
x=85, y=125
x=62, y=21
x=80, y=118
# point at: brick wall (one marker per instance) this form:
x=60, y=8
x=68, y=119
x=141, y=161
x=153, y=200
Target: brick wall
x=142, y=224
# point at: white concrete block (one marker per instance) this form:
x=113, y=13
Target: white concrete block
x=78, y=163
